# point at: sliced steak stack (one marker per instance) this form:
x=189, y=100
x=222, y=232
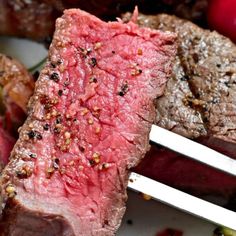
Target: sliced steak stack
x=199, y=102
x=88, y=124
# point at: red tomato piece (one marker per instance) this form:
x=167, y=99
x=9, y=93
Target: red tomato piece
x=222, y=17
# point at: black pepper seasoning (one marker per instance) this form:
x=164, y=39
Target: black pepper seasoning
x=56, y=163
x=93, y=80
x=227, y=84
x=34, y=134
x=215, y=100
x=31, y=134
x=58, y=120
x=124, y=89
x=184, y=78
x=67, y=82
x=21, y=174
x=53, y=65
x=46, y=127
x=33, y=155
x=92, y=162
x=60, y=92
x=82, y=149
x=85, y=52
x=59, y=61
x=93, y=62
x=55, y=77
x=89, y=50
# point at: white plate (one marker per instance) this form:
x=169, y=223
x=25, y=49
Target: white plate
x=148, y=217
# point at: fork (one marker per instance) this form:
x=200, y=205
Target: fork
x=177, y=198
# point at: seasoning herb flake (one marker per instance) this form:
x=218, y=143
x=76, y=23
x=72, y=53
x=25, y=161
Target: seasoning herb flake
x=55, y=77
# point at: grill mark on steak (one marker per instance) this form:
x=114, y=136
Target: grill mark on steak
x=76, y=185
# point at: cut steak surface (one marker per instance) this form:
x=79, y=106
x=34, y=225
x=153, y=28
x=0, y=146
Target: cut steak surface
x=198, y=103
x=88, y=124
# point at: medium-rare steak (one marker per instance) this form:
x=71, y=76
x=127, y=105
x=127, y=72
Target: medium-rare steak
x=199, y=102
x=88, y=124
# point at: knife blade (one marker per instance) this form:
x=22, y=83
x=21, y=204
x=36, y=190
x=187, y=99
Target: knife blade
x=193, y=150
x=183, y=201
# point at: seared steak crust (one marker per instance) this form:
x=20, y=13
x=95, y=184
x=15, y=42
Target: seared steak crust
x=206, y=69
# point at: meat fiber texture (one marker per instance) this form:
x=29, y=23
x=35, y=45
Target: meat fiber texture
x=198, y=103
x=88, y=124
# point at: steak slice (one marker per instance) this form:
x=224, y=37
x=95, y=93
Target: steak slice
x=198, y=103
x=88, y=124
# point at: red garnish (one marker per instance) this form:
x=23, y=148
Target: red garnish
x=222, y=17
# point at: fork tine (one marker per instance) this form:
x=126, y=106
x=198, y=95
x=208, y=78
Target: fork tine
x=183, y=201
x=193, y=150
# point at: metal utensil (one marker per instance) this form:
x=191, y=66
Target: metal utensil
x=177, y=198
x=193, y=150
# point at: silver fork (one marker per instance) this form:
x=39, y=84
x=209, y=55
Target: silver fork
x=177, y=198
